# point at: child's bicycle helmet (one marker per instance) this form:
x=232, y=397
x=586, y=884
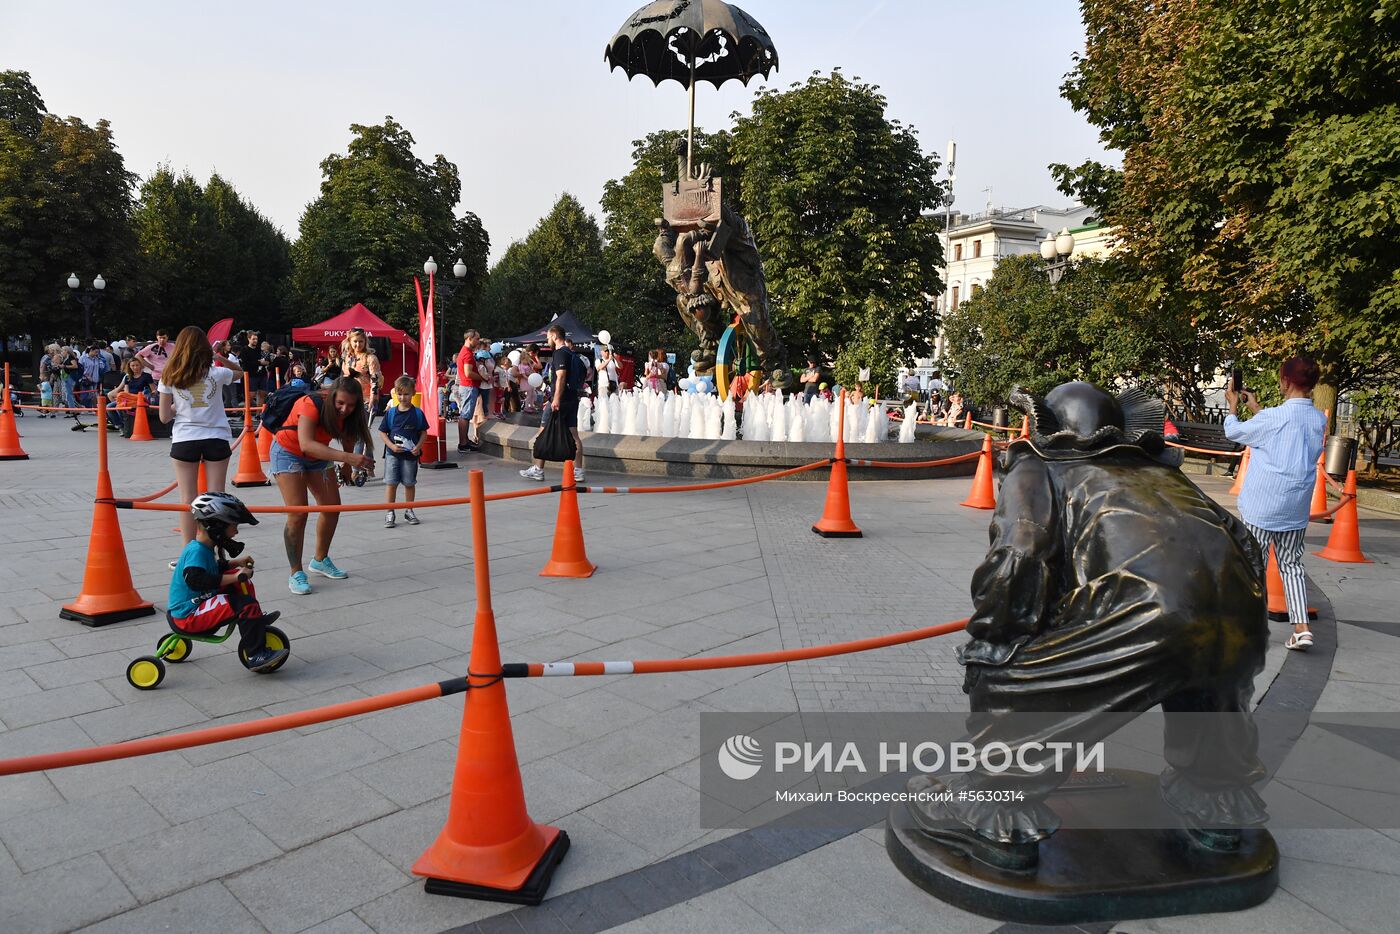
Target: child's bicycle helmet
x=215, y=512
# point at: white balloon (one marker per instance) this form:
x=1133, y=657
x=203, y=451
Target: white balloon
x=514, y=358
x=686, y=383
x=535, y=380
x=604, y=337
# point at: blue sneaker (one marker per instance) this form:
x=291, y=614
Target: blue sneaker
x=298, y=584
x=327, y=568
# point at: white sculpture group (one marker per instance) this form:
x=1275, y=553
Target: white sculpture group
x=767, y=417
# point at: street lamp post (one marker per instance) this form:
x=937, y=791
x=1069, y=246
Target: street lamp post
x=1056, y=251
x=87, y=297
x=447, y=290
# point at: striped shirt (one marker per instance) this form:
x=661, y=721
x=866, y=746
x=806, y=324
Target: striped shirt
x=1284, y=443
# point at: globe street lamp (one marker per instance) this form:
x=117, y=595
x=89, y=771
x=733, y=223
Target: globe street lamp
x=448, y=289
x=87, y=297
x=1056, y=251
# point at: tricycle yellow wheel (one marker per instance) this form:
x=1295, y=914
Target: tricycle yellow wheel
x=145, y=673
x=179, y=650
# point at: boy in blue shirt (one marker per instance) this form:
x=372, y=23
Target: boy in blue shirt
x=208, y=589
x=403, y=428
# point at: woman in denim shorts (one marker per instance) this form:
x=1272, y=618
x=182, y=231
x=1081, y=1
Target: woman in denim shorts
x=301, y=461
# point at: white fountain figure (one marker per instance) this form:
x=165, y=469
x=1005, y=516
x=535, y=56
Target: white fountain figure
x=668, y=415
x=585, y=414
x=906, y=427
x=714, y=418
x=654, y=411
x=872, y=425
x=797, y=427
x=697, y=417
x=755, y=418
x=683, y=415
x=777, y=420
x=833, y=418
x=603, y=424
x=629, y=413
x=727, y=413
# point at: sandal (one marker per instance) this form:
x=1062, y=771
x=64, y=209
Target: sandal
x=1299, y=642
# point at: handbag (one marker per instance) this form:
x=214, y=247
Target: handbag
x=555, y=442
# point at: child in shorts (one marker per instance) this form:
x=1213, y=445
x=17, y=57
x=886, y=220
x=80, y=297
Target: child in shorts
x=403, y=427
x=212, y=586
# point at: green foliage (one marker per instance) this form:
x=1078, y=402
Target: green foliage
x=1261, y=151
x=557, y=267
x=209, y=253
x=640, y=306
x=381, y=212
x=836, y=194
x=65, y=206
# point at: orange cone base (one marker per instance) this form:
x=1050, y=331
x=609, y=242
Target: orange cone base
x=243, y=483
x=531, y=891
x=14, y=457
x=978, y=503
x=1343, y=555
x=1281, y=616
x=89, y=612
x=851, y=532
x=576, y=568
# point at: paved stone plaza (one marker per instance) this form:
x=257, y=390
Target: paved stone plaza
x=316, y=829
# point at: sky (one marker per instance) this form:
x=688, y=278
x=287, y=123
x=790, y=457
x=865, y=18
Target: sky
x=517, y=93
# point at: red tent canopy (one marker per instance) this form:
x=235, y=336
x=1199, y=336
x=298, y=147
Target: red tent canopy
x=334, y=329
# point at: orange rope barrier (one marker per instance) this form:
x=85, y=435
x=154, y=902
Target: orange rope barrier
x=1173, y=444
x=221, y=734
x=707, y=663
x=693, y=487
x=958, y=459
x=344, y=507
x=59, y=408
x=1006, y=428
x=156, y=495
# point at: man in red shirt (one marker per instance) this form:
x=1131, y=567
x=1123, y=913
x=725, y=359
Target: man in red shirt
x=468, y=391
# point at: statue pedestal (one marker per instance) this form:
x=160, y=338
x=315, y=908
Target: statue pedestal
x=1090, y=875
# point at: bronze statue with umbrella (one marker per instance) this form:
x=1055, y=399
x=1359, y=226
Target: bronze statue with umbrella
x=708, y=250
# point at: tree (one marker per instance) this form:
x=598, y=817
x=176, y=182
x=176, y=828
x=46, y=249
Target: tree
x=207, y=253
x=837, y=196
x=1020, y=331
x=1261, y=152
x=640, y=307
x=557, y=267
x=65, y=206
x=381, y=212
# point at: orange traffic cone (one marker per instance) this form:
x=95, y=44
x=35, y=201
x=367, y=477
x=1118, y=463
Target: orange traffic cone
x=202, y=484
x=140, y=422
x=967, y=422
x=836, y=519
x=264, y=444
x=1278, y=603
x=1026, y=427
x=568, y=559
x=249, y=466
x=982, y=495
x=1319, y=497
x=9, y=431
x=489, y=849
x=108, y=595
x=1344, y=544
x=1239, y=474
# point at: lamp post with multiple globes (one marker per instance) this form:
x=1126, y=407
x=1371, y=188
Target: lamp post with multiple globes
x=87, y=297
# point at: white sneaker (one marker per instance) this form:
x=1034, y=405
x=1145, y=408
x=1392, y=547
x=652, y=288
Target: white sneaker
x=532, y=473
x=389, y=519
x=578, y=476
x=409, y=517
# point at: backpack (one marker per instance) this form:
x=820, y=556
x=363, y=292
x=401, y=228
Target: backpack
x=279, y=406
x=578, y=373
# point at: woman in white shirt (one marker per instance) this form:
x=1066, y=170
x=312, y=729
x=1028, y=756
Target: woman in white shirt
x=192, y=396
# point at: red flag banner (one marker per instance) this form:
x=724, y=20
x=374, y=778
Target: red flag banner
x=220, y=330
x=427, y=356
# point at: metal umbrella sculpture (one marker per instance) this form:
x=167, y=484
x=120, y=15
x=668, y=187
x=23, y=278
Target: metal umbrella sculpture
x=689, y=41
x=707, y=249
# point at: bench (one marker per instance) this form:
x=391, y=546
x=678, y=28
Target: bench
x=1209, y=437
